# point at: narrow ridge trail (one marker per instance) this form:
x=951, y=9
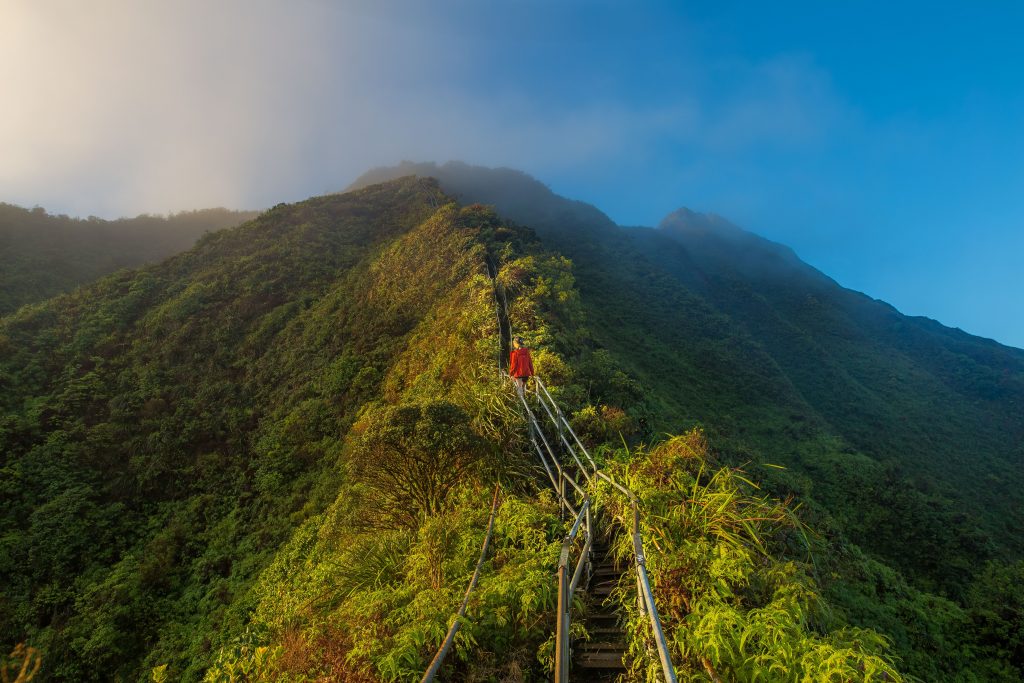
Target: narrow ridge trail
x=572, y=472
x=586, y=562
x=603, y=657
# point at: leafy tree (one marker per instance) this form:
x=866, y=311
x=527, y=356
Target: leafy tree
x=413, y=457
x=996, y=610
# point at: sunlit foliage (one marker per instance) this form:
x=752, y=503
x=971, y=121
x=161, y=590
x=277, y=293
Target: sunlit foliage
x=211, y=468
x=733, y=579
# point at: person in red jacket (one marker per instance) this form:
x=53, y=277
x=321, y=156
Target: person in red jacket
x=520, y=365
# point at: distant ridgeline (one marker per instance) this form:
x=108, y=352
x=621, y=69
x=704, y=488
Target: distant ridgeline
x=271, y=457
x=903, y=439
x=42, y=255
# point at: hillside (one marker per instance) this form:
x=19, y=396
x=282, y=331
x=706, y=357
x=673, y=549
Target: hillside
x=42, y=255
x=732, y=331
x=900, y=435
x=166, y=429
x=270, y=458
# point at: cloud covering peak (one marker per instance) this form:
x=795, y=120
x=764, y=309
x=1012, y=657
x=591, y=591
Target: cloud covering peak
x=120, y=107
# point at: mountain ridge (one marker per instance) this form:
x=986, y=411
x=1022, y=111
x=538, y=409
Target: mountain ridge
x=42, y=255
x=464, y=181
x=181, y=443
x=855, y=369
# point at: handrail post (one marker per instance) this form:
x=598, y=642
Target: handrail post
x=584, y=562
x=643, y=582
x=562, y=630
x=590, y=545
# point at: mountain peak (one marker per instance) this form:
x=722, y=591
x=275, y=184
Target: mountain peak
x=688, y=220
x=714, y=237
x=515, y=194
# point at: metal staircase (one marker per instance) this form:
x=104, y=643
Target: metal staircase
x=562, y=463
x=585, y=563
x=603, y=657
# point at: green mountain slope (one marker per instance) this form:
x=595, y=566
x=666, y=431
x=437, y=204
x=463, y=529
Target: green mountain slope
x=43, y=255
x=932, y=405
x=165, y=429
x=900, y=435
x=271, y=458
x=728, y=329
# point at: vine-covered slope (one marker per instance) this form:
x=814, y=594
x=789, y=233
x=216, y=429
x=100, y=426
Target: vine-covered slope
x=272, y=457
x=42, y=255
x=903, y=439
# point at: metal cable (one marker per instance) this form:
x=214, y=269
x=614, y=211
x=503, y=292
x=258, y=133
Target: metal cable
x=435, y=663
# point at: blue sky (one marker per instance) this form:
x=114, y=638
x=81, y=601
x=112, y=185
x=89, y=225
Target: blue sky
x=882, y=141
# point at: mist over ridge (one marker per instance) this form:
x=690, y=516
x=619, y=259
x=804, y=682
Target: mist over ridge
x=759, y=266
x=191, y=444
x=526, y=199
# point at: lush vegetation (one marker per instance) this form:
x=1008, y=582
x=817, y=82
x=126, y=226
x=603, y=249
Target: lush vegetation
x=188, y=472
x=164, y=431
x=271, y=457
x=734, y=576
x=42, y=255
x=903, y=439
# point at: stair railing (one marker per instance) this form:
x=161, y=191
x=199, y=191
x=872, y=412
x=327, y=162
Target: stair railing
x=644, y=593
x=449, y=639
x=582, y=524
x=581, y=517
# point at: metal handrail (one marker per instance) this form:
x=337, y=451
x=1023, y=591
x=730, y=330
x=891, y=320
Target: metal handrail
x=544, y=461
x=644, y=584
x=535, y=431
x=620, y=487
x=582, y=520
x=435, y=663
x=572, y=451
x=567, y=588
x=536, y=427
x=581, y=517
x=542, y=387
x=644, y=591
x=584, y=553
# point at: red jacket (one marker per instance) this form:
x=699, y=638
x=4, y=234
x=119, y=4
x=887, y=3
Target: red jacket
x=520, y=364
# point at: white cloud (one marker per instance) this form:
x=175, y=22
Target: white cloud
x=120, y=106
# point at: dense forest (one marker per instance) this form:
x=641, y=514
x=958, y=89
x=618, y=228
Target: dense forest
x=213, y=467
x=42, y=255
x=903, y=439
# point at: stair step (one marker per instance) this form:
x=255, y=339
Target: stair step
x=602, y=660
x=603, y=616
x=596, y=649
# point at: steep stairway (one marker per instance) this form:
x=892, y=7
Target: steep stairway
x=602, y=658
x=586, y=563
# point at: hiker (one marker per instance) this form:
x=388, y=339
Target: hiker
x=520, y=366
